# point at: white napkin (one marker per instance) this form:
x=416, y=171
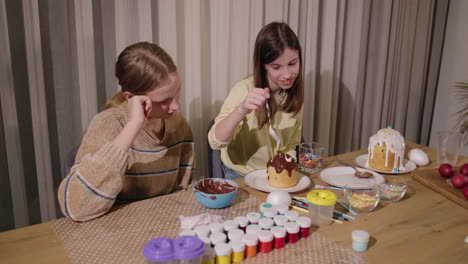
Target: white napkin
x=189, y=222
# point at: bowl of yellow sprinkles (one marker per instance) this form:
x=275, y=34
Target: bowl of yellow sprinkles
x=361, y=199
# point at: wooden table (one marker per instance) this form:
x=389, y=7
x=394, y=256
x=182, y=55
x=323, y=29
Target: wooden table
x=424, y=227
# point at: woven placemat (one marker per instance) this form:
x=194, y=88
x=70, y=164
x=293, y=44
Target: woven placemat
x=119, y=236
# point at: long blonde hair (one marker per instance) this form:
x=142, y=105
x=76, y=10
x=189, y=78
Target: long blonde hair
x=141, y=68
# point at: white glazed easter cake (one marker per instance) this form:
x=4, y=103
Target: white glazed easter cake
x=386, y=150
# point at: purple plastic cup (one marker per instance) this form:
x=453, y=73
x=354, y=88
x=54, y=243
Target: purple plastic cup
x=159, y=250
x=188, y=249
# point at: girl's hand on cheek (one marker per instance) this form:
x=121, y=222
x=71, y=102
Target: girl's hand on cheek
x=139, y=109
x=255, y=98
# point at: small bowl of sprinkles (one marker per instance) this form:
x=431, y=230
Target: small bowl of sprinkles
x=361, y=198
x=393, y=189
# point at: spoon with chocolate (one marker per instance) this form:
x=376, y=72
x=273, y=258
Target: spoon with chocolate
x=272, y=132
x=359, y=174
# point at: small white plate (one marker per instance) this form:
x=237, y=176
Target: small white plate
x=409, y=165
x=258, y=179
x=342, y=176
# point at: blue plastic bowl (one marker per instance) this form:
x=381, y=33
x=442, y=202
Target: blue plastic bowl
x=215, y=201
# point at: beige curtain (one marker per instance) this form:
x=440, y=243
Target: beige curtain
x=367, y=64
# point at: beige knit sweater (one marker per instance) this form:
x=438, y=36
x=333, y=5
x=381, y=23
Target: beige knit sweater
x=103, y=173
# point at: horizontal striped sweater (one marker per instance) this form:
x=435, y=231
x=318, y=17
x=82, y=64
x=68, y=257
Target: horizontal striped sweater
x=103, y=173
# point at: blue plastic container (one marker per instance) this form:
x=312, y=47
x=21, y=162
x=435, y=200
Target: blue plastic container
x=215, y=201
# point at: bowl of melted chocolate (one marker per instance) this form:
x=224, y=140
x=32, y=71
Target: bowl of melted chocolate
x=215, y=193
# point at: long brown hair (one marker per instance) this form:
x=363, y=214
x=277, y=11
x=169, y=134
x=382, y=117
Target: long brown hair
x=141, y=68
x=271, y=42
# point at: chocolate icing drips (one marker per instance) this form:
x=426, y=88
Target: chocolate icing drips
x=214, y=186
x=282, y=161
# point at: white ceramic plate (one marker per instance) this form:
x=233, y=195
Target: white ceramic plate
x=258, y=179
x=342, y=176
x=409, y=165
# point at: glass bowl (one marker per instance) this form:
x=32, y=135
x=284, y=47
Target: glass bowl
x=361, y=199
x=393, y=189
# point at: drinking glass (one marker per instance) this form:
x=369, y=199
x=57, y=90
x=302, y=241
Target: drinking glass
x=449, y=147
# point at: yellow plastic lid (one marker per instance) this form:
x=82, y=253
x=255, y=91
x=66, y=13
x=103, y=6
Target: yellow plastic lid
x=321, y=197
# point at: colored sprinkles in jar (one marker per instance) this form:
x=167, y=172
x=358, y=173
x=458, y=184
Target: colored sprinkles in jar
x=310, y=160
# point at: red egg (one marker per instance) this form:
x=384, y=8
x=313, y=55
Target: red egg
x=446, y=170
x=459, y=180
x=465, y=192
x=464, y=169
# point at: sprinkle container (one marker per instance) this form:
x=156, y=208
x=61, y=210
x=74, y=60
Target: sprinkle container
x=311, y=156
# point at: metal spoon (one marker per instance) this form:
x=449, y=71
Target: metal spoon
x=359, y=174
x=270, y=128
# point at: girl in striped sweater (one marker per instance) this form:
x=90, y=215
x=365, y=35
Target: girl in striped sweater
x=139, y=146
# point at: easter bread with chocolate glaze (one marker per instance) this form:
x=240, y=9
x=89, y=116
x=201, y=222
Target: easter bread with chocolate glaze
x=282, y=171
